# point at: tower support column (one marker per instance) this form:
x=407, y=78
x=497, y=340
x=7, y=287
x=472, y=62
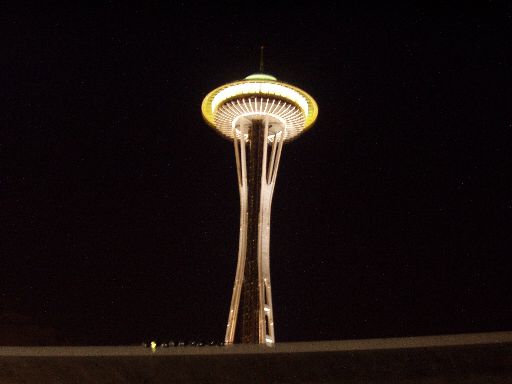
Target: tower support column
x=257, y=153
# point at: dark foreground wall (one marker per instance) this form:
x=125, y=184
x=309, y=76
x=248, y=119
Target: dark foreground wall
x=481, y=358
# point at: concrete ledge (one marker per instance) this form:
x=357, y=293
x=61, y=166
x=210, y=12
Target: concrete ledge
x=470, y=358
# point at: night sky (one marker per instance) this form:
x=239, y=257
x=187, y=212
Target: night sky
x=119, y=206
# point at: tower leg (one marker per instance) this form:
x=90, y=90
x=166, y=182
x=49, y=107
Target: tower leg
x=257, y=173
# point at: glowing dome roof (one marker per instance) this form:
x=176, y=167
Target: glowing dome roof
x=260, y=76
x=259, y=94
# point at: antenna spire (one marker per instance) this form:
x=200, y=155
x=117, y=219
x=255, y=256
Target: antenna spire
x=262, y=68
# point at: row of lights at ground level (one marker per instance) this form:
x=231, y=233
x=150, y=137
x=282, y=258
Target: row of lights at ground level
x=154, y=344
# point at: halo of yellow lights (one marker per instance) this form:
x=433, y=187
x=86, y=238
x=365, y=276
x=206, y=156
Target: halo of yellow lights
x=259, y=94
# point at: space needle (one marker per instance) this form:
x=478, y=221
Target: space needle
x=259, y=114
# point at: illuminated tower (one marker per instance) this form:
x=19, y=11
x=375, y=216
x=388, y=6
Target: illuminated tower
x=259, y=114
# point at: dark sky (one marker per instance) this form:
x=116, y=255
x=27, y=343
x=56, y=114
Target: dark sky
x=119, y=207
